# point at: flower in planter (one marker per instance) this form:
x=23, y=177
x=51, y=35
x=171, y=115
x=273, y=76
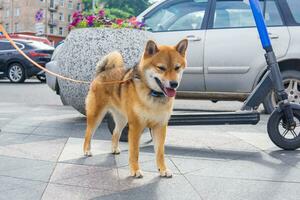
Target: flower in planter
x=81, y=20
x=90, y=20
x=101, y=13
x=119, y=21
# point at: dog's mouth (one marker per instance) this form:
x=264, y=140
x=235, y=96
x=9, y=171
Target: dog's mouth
x=169, y=92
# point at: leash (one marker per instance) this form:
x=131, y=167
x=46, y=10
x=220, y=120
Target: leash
x=2, y=29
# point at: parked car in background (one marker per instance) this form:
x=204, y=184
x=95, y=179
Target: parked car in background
x=28, y=37
x=15, y=67
x=225, y=57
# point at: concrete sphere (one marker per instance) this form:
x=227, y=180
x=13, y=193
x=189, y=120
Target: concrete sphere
x=83, y=48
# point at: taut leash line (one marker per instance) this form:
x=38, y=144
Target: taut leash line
x=2, y=29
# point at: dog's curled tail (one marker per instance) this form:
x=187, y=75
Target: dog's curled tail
x=110, y=61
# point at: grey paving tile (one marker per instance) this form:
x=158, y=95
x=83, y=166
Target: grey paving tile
x=290, y=157
x=263, y=167
x=85, y=176
x=20, y=189
x=102, y=156
x=26, y=168
x=77, y=131
x=31, y=146
x=186, y=165
x=151, y=186
x=259, y=140
x=150, y=166
x=67, y=192
x=19, y=129
x=213, y=188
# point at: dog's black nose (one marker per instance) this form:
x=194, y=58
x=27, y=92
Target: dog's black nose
x=173, y=84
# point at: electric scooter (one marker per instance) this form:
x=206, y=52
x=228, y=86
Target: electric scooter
x=282, y=122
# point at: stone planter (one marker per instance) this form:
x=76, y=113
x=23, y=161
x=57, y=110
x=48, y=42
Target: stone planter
x=83, y=48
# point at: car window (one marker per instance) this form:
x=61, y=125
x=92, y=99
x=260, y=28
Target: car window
x=294, y=6
x=236, y=14
x=187, y=15
x=6, y=46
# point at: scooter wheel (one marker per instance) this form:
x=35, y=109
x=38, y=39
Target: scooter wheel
x=280, y=135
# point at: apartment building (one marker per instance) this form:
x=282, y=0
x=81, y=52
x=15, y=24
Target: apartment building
x=48, y=18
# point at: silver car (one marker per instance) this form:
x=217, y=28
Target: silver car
x=225, y=59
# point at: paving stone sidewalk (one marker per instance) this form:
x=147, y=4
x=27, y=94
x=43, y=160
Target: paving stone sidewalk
x=41, y=158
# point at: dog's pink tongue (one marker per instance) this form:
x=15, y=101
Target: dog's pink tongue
x=170, y=92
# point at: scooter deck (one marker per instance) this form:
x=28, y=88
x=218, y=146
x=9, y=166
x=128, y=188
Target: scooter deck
x=194, y=118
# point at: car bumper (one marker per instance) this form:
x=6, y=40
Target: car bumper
x=50, y=79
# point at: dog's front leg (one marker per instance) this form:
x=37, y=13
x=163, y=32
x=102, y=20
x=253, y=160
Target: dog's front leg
x=159, y=137
x=135, y=130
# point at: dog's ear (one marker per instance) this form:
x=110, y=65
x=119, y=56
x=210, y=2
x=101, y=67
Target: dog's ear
x=182, y=46
x=151, y=48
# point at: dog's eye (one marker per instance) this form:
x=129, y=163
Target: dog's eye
x=177, y=68
x=161, y=68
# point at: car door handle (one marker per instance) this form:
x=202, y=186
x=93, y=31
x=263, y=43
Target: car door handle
x=193, y=38
x=273, y=36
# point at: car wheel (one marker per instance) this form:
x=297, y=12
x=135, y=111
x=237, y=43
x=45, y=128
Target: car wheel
x=41, y=78
x=291, y=81
x=16, y=73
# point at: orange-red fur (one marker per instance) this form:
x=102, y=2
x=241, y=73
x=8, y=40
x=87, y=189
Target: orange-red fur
x=131, y=103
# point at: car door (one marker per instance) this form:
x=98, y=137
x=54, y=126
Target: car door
x=233, y=56
x=3, y=47
x=175, y=20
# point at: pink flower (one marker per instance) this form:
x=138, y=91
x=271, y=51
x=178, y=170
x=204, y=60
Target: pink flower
x=77, y=14
x=133, y=21
x=119, y=21
x=101, y=13
x=90, y=20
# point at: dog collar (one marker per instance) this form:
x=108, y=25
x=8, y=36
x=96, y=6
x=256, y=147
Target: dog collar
x=157, y=94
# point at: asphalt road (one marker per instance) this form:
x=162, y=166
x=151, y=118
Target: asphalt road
x=33, y=92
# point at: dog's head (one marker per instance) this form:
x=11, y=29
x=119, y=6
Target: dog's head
x=162, y=66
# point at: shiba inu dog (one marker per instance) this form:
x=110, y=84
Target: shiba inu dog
x=144, y=99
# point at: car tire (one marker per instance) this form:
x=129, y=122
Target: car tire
x=290, y=78
x=16, y=73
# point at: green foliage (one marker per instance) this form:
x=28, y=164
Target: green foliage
x=133, y=7
x=114, y=13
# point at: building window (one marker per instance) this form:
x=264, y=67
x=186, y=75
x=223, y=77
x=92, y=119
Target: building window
x=69, y=17
x=61, y=17
x=61, y=2
x=78, y=6
x=70, y=5
x=52, y=3
x=17, y=27
x=60, y=31
x=51, y=30
x=7, y=27
x=7, y=13
x=17, y=12
x=51, y=16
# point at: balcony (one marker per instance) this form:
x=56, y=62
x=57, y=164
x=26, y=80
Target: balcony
x=53, y=8
x=52, y=22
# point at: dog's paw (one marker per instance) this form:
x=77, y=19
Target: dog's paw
x=88, y=154
x=166, y=173
x=116, y=150
x=137, y=174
